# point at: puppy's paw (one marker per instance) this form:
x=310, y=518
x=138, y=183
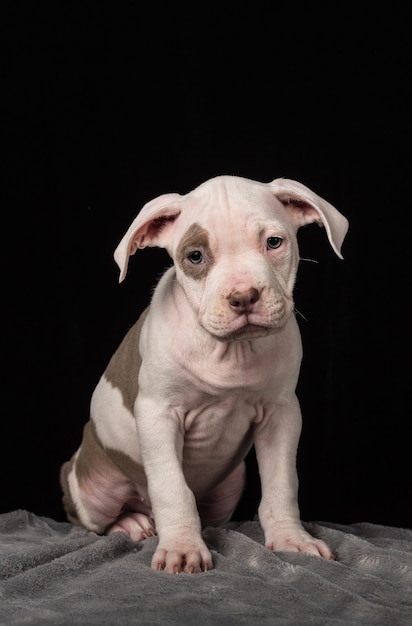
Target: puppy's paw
x=137, y=525
x=293, y=538
x=176, y=557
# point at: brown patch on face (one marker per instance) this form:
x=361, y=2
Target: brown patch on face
x=196, y=239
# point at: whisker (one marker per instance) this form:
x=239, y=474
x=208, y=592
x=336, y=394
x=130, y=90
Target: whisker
x=299, y=313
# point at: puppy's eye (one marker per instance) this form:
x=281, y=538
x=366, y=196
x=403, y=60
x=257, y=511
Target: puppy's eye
x=195, y=257
x=274, y=242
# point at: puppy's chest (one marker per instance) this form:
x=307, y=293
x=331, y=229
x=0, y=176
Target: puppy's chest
x=219, y=429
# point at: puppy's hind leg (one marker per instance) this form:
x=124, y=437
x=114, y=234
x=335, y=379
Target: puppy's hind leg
x=138, y=523
x=99, y=496
x=218, y=505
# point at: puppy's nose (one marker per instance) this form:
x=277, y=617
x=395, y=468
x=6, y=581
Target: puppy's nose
x=243, y=300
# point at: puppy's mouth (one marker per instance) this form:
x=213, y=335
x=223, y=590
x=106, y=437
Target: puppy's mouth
x=250, y=331
x=247, y=322
x=244, y=328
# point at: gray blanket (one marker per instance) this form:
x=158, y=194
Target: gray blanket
x=55, y=573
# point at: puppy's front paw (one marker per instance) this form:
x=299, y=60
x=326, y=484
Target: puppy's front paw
x=293, y=538
x=176, y=557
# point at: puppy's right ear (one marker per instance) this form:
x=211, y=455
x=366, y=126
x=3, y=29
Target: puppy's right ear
x=151, y=227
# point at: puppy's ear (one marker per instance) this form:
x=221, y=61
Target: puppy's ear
x=151, y=227
x=307, y=207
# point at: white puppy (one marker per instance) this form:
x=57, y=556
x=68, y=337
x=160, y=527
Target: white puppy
x=208, y=370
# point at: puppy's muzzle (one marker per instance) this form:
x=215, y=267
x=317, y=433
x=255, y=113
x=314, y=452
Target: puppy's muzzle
x=243, y=301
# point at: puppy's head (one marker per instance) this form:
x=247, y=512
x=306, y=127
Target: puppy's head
x=233, y=243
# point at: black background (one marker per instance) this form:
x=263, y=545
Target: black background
x=103, y=111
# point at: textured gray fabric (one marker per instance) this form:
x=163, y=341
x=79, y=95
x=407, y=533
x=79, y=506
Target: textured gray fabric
x=55, y=573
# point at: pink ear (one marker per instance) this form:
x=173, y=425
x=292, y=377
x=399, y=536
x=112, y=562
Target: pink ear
x=151, y=227
x=307, y=207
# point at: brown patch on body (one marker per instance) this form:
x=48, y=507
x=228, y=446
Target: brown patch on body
x=68, y=503
x=122, y=372
x=123, y=368
x=195, y=239
x=91, y=458
x=94, y=458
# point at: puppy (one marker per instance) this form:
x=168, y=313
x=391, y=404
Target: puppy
x=208, y=370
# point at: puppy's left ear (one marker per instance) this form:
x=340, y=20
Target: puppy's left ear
x=151, y=227
x=307, y=207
